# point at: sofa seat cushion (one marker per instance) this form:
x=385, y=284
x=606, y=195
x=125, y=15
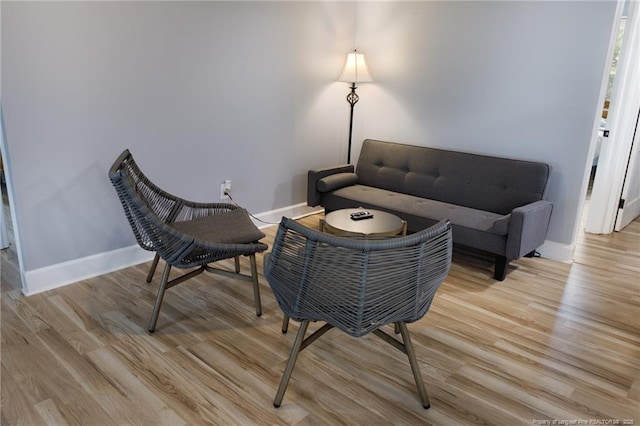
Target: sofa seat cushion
x=416, y=206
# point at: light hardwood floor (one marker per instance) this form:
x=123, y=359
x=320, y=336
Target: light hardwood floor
x=552, y=342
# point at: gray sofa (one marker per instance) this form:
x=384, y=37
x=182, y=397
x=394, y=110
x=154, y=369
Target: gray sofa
x=494, y=204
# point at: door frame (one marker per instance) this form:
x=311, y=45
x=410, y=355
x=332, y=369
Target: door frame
x=8, y=175
x=629, y=208
x=615, y=149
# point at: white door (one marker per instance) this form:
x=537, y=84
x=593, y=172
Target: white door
x=618, y=164
x=4, y=239
x=629, y=203
x=629, y=206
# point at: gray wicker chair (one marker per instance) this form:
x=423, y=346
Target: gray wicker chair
x=356, y=285
x=183, y=233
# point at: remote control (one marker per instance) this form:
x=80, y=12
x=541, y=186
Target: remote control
x=361, y=215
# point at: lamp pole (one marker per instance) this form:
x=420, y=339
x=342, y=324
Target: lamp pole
x=355, y=71
x=352, y=98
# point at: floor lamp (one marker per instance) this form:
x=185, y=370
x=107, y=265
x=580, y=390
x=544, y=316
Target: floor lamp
x=355, y=71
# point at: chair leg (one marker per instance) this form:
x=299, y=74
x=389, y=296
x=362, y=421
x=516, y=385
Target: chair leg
x=154, y=265
x=237, y=262
x=415, y=368
x=256, y=285
x=293, y=356
x=159, y=297
x=285, y=324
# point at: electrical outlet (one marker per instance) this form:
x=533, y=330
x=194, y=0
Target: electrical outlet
x=225, y=190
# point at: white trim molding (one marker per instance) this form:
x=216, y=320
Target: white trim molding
x=61, y=274
x=557, y=251
x=295, y=211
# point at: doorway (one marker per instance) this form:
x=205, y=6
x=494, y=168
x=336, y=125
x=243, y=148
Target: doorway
x=12, y=264
x=616, y=178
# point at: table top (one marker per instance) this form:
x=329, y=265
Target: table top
x=339, y=222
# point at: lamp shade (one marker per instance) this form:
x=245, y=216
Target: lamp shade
x=355, y=69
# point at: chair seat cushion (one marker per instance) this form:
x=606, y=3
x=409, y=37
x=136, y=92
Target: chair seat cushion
x=232, y=227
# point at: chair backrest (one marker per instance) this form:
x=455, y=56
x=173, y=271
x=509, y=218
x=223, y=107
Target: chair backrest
x=153, y=213
x=353, y=284
x=133, y=189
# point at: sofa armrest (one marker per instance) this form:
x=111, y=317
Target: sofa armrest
x=313, y=176
x=528, y=228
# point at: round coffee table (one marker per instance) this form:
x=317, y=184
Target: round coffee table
x=339, y=223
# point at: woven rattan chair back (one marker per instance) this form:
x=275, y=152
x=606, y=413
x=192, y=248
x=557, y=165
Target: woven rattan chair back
x=356, y=285
x=137, y=192
x=156, y=217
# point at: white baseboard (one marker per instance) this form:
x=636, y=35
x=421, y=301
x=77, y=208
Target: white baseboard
x=61, y=274
x=557, y=251
x=629, y=213
x=273, y=217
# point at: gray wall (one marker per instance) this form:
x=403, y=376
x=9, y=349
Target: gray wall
x=205, y=91
x=199, y=92
x=516, y=79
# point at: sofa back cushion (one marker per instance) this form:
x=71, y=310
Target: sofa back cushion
x=477, y=181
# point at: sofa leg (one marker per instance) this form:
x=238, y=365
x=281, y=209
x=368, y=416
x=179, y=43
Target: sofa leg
x=502, y=264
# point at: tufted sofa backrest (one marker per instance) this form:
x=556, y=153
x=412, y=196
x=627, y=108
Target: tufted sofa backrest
x=477, y=181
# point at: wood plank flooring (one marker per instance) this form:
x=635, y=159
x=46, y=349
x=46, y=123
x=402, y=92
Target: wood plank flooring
x=553, y=342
